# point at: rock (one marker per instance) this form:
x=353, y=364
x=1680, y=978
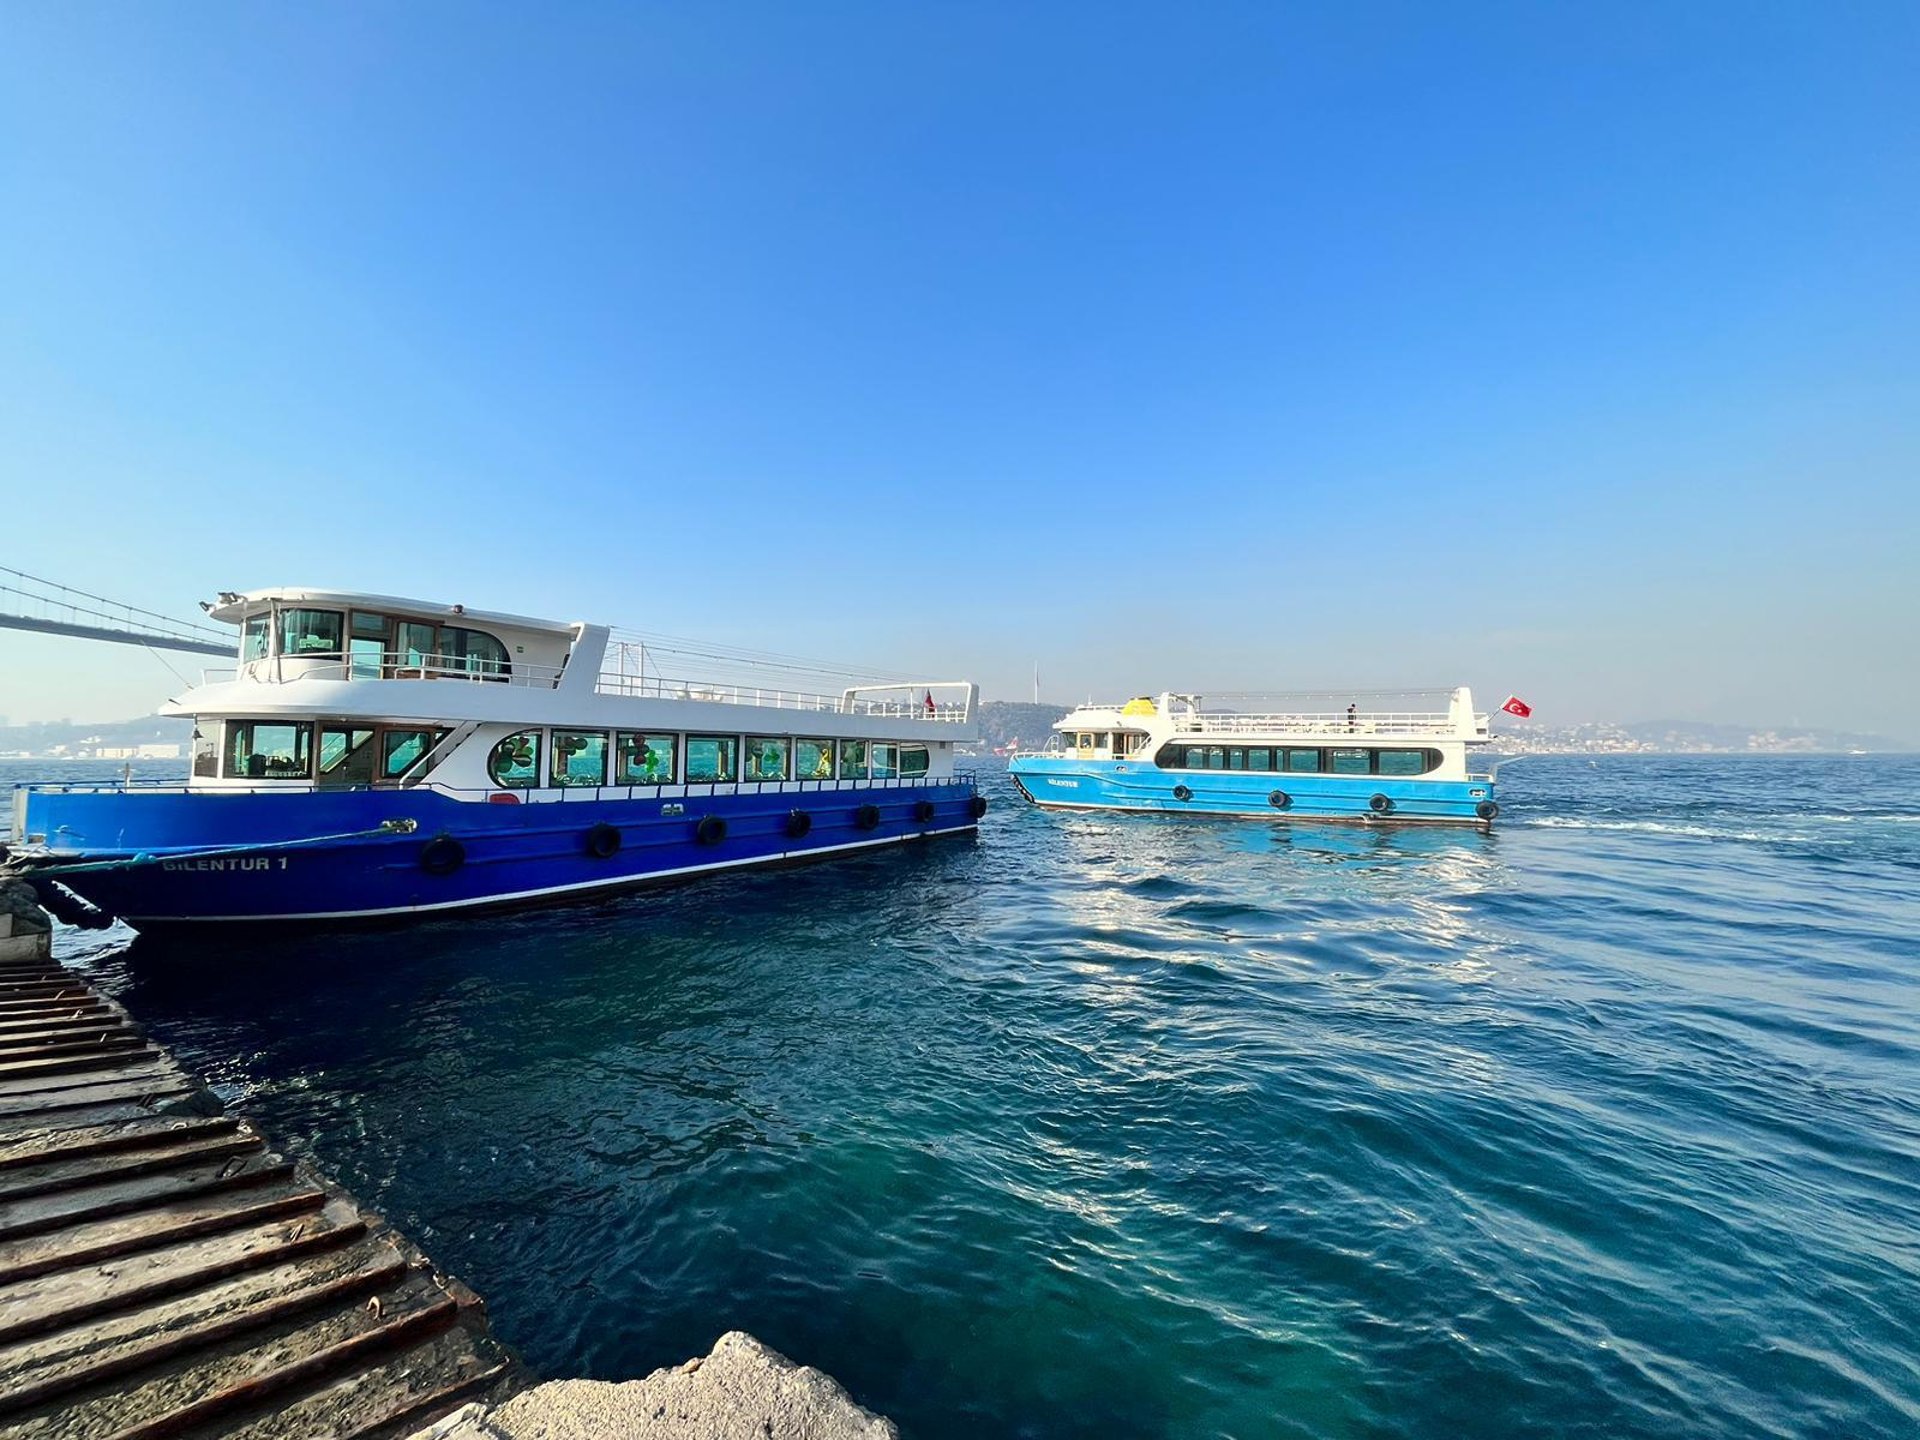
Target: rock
x=17, y=898
x=742, y=1391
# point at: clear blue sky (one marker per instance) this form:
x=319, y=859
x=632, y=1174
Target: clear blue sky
x=1565, y=350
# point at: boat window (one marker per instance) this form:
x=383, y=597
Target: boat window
x=269, y=750
x=813, y=759
x=1349, y=762
x=311, y=632
x=367, y=646
x=1406, y=762
x=710, y=759
x=1171, y=757
x=579, y=757
x=1216, y=758
x=1259, y=758
x=515, y=761
x=766, y=758
x=206, y=750
x=1303, y=762
x=853, y=759
x=886, y=761
x=1237, y=758
x=254, y=636
x=642, y=759
x=401, y=750
x=346, y=755
x=472, y=652
x=415, y=645
x=914, y=760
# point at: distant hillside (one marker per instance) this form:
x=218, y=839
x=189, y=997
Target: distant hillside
x=1012, y=722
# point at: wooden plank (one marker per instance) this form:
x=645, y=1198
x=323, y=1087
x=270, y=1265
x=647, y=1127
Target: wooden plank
x=36, y=1144
x=256, y=1368
x=83, y=1355
x=101, y=1240
x=88, y=1005
x=70, y=1064
x=55, y=1044
x=396, y=1399
x=128, y=1096
x=38, y=1214
x=51, y=1026
x=54, y=1176
x=67, y=995
x=65, y=1297
x=132, y=1063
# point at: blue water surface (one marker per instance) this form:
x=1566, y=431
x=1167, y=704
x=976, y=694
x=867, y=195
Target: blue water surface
x=1604, y=1124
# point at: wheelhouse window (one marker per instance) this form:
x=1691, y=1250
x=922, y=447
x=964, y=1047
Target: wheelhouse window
x=415, y=645
x=886, y=761
x=710, y=759
x=312, y=634
x=515, y=761
x=1349, y=762
x=642, y=759
x=256, y=638
x=472, y=652
x=766, y=758
x=269, y=750
x=346, y=755
x=914, y=760
x=579, y=757
x=206, y=751
x=401, y=751
x=813, y=759
x=367, y=646
x=853, y=759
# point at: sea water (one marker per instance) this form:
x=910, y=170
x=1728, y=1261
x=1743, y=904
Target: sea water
x=1606, y=1123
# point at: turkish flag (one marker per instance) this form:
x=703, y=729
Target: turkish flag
x=1516, y=706
x=930, y=706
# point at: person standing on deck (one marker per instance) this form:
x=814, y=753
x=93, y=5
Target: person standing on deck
x=1353, y=716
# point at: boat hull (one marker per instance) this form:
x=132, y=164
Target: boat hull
x=182, y=857
x=1067, y=783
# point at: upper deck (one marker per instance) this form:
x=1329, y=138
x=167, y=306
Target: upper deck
x=344, y=651
x=1427, y=715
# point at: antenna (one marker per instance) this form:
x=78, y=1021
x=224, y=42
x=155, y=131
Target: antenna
x=1036, y=682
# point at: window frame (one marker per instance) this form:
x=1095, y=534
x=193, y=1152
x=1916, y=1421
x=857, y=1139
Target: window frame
x=232, y=729
x=559, y=778
x=785, y=742
x=824, y=744
x=644, y=737
x=731, y=750
x=532, y=782
x=281, y=633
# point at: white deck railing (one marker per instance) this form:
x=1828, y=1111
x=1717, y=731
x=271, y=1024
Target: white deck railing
x=1330, y=724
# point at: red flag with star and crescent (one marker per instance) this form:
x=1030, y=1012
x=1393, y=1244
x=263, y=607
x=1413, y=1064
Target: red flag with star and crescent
x=1516, y=706
x=930, y=704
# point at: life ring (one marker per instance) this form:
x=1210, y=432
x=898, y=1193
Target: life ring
x=711, y=830
x=923, y=812
x=867, y=817
x=1380, y=805
x=1181, y=792
x=442, y=855
x=1486, y=810
x=603, y=841
x=1279, y=799
x=798, y=824
x=977, y=806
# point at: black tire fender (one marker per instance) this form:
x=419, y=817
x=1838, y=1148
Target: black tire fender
x=923, y=812
x=1486, y=810
x=1181, y=792
x=977, y=806
x=602, y=841
x=799, y=822
x=442, y=855
x=711, y=830
x=1380, y=805
x=867, y=817
x=1279, y=799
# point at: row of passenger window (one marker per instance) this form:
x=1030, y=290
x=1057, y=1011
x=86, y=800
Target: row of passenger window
x=1330, y=760
x=284, y=750
x=581, y=758
x=377, y=646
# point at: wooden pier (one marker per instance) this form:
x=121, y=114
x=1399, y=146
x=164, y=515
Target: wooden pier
x=164, y=1272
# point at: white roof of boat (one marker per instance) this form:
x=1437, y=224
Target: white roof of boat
x=234, y=611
